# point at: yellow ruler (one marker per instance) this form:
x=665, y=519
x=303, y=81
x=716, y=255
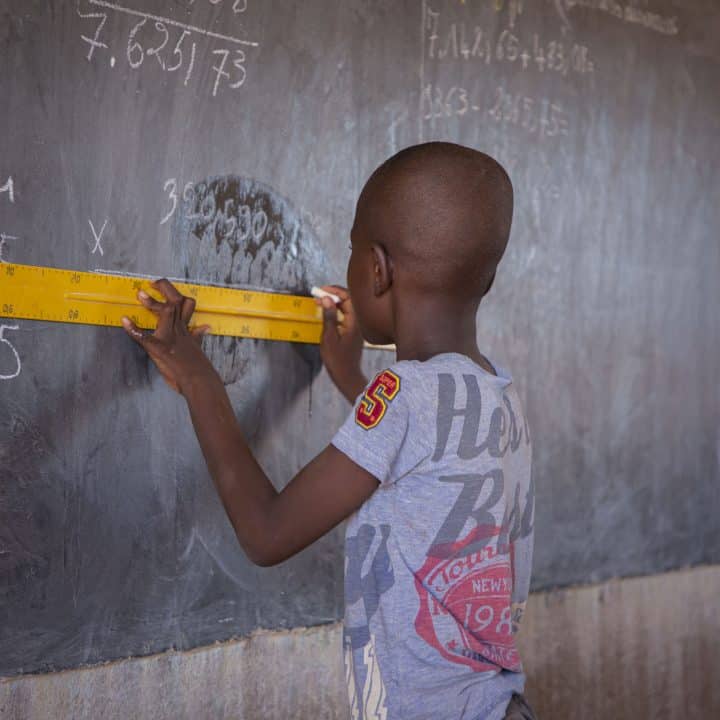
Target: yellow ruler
x=44, y=293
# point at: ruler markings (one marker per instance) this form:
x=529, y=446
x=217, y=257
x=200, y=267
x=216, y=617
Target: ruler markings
x=93, y=298
x=37, y=293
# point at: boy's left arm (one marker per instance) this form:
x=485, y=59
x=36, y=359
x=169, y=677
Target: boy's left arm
x=270, y=526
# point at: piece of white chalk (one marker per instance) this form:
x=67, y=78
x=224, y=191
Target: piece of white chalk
x=319, y=293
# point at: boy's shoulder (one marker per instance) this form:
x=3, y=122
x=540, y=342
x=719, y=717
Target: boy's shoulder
x=415, y=378
x=406, y=416
x=414, y=396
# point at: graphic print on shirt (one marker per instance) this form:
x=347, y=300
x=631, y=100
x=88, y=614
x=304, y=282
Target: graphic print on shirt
x=374, y=402
x=366, y=549
x=372, y=704
x=465, y=585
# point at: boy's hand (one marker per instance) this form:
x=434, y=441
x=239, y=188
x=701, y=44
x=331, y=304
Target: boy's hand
x=173, y=347
x=341, y=344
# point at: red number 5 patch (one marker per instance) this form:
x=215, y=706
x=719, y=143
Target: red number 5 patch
x=375, y=399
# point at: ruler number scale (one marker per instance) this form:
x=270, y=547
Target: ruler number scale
x=51, y=294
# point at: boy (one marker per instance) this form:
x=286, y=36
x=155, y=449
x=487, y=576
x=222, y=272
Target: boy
x=433, y=463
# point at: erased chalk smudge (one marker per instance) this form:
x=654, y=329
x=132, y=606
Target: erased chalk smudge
x=235, y=230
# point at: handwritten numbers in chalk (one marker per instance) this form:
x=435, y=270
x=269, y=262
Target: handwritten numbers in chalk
x=537, y=116
x=543, y=117
x=156, y=51
x=170, y=187
x=3, y=240
x=94, y=41
x=4, y=371
x=191, y=64
x=174, y=44
x=135, y=53
x=226, y=223
x=9, y=189
x=239, y=65
x=225, y=218
x=237, y=76
x=188, y=195
x=451, y=41
x=179, y=56
x=259, y=225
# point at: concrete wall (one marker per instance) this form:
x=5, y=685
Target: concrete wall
x=636, y=648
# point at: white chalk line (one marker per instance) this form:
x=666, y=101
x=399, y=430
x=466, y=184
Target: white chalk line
x=168, y=21
x=190, y=281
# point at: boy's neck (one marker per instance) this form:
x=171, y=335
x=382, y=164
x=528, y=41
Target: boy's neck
x=424, y=328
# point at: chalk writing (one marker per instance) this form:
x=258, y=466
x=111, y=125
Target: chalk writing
x=97, y=236
x=632, y=14
x=236, y=231
x=5, y=341
x=93, y=41
x=232, y=221
x=188, y=196
x=537, y=116
x=460, y=41
x=170, y=187
x=172, y=44
x=239, y=65
x=3, y=239
x=222, y=222
x=9, y=188
x=399, y=117
x=543, y=117
x=238, y=6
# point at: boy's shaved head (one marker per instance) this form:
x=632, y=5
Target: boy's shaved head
x=443, y=213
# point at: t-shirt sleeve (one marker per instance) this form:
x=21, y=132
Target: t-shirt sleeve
x=377, y=433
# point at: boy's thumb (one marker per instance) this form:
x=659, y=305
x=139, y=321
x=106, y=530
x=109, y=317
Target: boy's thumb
x=329, y=313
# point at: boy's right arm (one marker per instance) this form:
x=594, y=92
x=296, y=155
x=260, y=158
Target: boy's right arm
x=323, y=493
x=271, y=526
x=341, y=344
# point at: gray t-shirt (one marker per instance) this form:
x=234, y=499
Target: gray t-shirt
x=438, y=559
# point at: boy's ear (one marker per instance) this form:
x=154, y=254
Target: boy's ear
x=382, y=270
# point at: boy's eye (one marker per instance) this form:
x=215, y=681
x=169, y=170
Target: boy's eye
x=350, y=246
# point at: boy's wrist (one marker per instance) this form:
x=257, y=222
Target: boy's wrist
x=201, y=381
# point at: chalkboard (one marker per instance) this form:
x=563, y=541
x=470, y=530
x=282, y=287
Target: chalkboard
x=227, y=141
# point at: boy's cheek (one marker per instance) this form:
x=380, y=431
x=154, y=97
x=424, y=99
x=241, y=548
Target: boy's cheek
x=374, y=328
x=366, y=329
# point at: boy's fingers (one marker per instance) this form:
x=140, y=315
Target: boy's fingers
x=167, y=290
x=149, y=302
x=330, y=330
x=329, y=311
x=335, y=319
x=175, y=301
x=188, y=308
x=342, y=292
x=338, y=290
x=199, y=332
x=141, y=338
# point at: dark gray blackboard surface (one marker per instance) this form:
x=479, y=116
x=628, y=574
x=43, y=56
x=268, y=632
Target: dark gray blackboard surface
x=121, y=143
